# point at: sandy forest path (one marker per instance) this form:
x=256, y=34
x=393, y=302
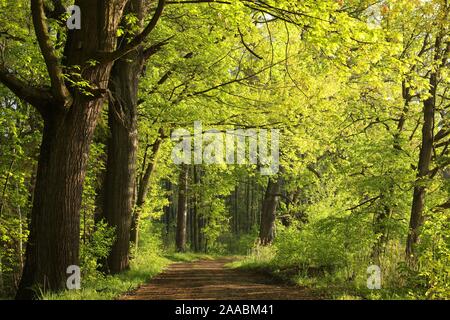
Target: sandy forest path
x=211, y=280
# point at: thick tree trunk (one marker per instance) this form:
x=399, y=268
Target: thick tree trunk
x=180, y=240
x=69, y=124
x=121, y=164
x=120, y=182
x=268, y=212
x=53, y=243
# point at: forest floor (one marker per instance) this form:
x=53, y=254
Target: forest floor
x=211, y=280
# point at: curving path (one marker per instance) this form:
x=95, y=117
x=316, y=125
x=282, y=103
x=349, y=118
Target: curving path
x=211, y=280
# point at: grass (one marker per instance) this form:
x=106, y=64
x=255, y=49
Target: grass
x=327, y=286
x=143, y=268
x=101, y=287
x=188, y=256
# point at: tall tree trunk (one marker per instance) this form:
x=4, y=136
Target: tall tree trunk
x=380, y=230
x=248, y=201
x=195, y=210
x=268, y=211
x=120, y=180
x=180, y=240
x=236, y=211
x=195, y=227
x=420, y=189
x=20, y=241
x=53, y=243
x=70, y=117
x=168, y=211
x=144, y=187
x=1, y=270
x=190, y=224
x=383, y=214
x=441, y=55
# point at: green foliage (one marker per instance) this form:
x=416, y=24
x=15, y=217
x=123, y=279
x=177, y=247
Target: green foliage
x=96, y=249
x=434, y=257
x=343, y=81
x=147, y=263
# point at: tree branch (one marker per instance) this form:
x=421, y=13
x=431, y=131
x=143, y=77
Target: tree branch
x=441, y=134
x=442, y=206
x=238, y=80
x=57, y=11
x=133, y=44
x=247, y=47
x=148, y=52
x=364, y=202
x=59, y=90
x=37, y=97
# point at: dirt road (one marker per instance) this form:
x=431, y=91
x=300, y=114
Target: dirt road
x=211, y=280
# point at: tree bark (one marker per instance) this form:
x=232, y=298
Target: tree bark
x=53, y=243
x=383, y=215
x=144, y=187
x=426, y=150
x=268, y=212
x=120, y=179
x=180, y=240
x=70, y=117
x=195, y=210
x=121, y=163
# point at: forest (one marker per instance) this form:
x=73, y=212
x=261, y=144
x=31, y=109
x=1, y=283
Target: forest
x=305, y=141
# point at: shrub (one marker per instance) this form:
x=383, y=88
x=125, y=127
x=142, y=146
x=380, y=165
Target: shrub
x=96, y=249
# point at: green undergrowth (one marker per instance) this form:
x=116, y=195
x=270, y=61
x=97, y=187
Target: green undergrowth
x=188, y=256
x=102, y=287
x=323, y=283
x=143, y=268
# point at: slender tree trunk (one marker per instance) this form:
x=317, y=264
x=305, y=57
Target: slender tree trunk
x=268, y=212
x=144, y=188
x=195, y=227
x=173, y=210
x=168, y=211
x=190, y=225
x=180, y=240
x=380, y=219
x=381, y=216
x=100, y=137
x=420, y=189
x=20, y=243
x=1, y=270
x=2, y=204
x=236, y=211
x=441, y=54
x=195, y=210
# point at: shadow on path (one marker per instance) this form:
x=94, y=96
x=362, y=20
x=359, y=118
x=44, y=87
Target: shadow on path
x=211, y=280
